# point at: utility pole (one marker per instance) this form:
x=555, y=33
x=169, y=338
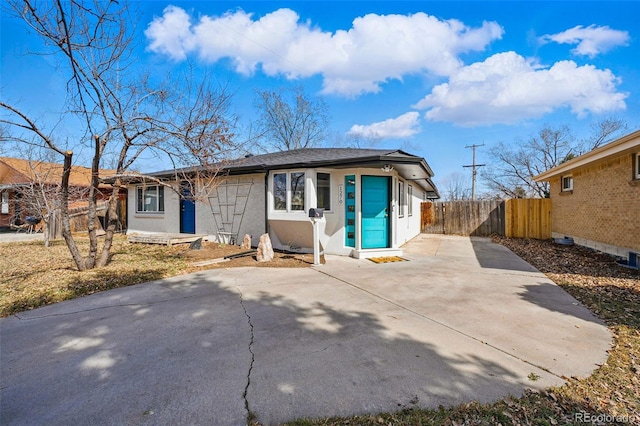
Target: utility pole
x=474, y=171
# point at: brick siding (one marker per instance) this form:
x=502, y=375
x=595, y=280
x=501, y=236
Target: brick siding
x=604, y=206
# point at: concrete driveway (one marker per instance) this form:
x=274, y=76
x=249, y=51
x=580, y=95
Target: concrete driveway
x=463, y=319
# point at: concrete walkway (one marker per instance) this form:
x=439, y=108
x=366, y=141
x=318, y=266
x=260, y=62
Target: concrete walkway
x=462, y=319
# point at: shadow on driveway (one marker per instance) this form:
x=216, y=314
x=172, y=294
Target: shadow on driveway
x=203, y=350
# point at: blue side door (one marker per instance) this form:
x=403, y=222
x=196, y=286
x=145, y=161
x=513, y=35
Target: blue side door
x=187, y=212
x=375, y=212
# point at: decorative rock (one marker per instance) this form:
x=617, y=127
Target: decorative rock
x=196, y=245
x=246, y=243
x=265, y=249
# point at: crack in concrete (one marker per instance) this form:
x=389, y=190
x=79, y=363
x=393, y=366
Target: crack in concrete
x=250, y=415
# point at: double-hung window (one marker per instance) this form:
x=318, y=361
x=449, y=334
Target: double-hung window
x=4, y=202
x=150, y=199
x=288, y=191
x=567, y=183
x=410, y=200
x=636, y=162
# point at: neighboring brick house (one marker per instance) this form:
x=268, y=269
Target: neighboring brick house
x=371, y=200
x=20, y=179
x=596, y=197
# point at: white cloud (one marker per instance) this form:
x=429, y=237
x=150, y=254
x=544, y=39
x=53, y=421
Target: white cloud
x=506, y=88
x=375, y=49
x=171, y=34
x=400, y=127
x=591, y=40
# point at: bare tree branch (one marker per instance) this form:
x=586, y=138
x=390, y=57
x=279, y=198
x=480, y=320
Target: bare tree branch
x=513, y=166
x=290, y=120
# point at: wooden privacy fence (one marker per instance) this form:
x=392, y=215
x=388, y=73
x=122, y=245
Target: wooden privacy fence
x=519, y=218
x=79, y=219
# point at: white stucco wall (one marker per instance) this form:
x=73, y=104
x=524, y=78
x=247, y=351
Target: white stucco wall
x=408, y=226
x=293, y=230
x=252, y=221
x=288, y=230
x=167, y=221
x=250, y=218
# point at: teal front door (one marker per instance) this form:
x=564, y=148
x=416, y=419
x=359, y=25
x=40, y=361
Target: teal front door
x=375, y=212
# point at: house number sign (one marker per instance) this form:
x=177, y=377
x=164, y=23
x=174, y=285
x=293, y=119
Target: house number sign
x=340, y=194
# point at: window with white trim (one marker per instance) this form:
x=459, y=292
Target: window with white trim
x=4, y=202
x=297, y=190
x=567, y=183
x=637, y=165
x=401, y=199
x=150, y=199
x=323, y=190
x=280, y=191
x=288, y=191
x=410, y=200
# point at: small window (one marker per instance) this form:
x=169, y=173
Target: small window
x=150, y=199
x=410, y=200
x=280, y=191
x=567, y=183
x=297, y=191
x=637, y=165
x=401, y=199
x=4, y=202
x=323, y=190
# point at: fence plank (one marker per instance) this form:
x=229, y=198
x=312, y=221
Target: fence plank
x=518, y=218
x=479, y=218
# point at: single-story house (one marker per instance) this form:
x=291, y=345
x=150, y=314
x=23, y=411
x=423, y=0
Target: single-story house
x=596, y=197
x=371, y=200
x=23, y=183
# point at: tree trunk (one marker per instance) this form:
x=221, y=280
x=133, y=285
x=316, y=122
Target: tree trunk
x=112, y=216
x=90, y=261
x=45, y=229
x=64, y=214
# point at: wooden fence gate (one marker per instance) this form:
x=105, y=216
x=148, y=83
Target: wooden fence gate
x=519, y=218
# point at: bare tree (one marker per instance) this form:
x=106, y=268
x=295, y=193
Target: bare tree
x=603, y=132
x=456, y=187
x=124, y=114
x=348, y=140
x=290, y=120
x=512, y=166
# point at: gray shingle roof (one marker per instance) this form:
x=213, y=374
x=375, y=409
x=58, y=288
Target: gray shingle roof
x=310, y=157
x=410, y=166
x=315, y=157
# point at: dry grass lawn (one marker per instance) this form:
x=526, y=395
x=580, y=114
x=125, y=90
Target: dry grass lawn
x=35, y=276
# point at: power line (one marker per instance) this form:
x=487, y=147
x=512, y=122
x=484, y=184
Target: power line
x=475, y=172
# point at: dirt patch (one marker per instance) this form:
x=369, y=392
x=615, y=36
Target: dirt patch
x=211, y=251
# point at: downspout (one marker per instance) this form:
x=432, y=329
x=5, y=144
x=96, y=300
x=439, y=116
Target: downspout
x=266, y=202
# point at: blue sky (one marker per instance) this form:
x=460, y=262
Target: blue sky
x=426, y=77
